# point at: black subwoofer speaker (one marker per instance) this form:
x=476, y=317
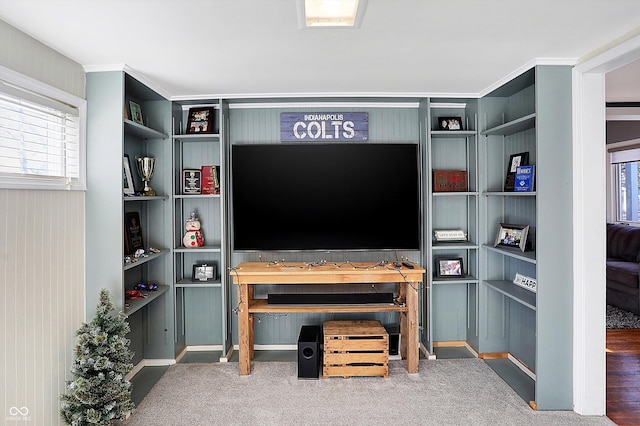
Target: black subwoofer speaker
x=309, y=356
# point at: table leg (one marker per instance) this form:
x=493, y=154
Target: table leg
x=402, y=319
x=411, y=327
x=245, y=330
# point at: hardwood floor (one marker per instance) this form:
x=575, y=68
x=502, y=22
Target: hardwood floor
x=623, y=376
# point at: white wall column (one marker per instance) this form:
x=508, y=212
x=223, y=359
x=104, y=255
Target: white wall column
x=589, y=205
x=589, y=192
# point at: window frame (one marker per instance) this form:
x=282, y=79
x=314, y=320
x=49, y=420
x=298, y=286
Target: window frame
x=613, y=180
x=28, y=181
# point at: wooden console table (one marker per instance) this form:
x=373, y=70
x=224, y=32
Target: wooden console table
x=248, y=274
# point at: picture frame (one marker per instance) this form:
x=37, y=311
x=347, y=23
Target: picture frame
x=515, y=160
x=127, y=178
x=450, y=123
x=449, y=267
x=512, y=236
x=136, y=112
x=133, y=233
x=200, y=120
x=191, y=181
x=204, y=272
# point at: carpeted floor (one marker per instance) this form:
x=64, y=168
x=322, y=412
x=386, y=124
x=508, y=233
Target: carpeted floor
x=618, y=318
x=444, y=392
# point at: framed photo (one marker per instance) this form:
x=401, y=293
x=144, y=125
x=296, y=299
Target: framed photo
x=204, y=272
x=136, y=112
x=127, y=177
x=200, y=120
x=450, y=123
x=513, y=236
x=515, y=160
x=448, y=267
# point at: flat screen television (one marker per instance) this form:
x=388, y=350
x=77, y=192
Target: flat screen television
x=328, y=197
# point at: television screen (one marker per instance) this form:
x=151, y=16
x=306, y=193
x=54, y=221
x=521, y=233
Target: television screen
x=354, y=196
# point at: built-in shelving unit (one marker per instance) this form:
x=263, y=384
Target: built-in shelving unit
x=532, y=114
x=111, y=135
x=452, y=310
x=200, y=305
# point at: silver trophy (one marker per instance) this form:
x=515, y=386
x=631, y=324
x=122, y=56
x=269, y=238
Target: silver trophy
x=145, y=166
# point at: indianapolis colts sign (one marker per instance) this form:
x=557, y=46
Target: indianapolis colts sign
x=324, y=126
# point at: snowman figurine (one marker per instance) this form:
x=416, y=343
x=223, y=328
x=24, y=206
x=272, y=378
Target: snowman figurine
x=193, y=237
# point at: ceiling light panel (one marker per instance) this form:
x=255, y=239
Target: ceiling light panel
x=333, y=13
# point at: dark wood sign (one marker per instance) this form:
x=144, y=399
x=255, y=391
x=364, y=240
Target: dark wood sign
x=449, y=180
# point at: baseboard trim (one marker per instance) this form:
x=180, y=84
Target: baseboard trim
x=204, y=348
x=271, y=347
x=454, y=343
x=226, y=357
x=510, y=357
x=522, y=367
x=426, y=353
x=148, y=363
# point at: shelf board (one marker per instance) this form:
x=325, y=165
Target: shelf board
x=178, y=196
x=187, y=283
x=514, y=126
x=449, y=134
x=453, y=245
x=145, y=198
x=261, y=306
x=143, y=260
x=527, y=256
x=144, y=132
x=202, y=137
x=455, y=194
x=514, y=292
x=465, y=279
x=137, y=304
x=509, y=194
x=207, y=249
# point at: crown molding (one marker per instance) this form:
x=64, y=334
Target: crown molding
x=132, y=72
x=527, y=66
x=398, y=97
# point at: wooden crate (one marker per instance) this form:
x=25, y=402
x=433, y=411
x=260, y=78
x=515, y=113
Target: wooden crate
x=355, y=348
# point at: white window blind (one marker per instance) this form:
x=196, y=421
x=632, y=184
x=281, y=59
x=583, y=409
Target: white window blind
x=41, y=145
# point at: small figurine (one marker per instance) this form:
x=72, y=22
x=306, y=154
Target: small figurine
x=193, y=237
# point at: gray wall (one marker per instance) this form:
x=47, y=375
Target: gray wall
x=41, y=261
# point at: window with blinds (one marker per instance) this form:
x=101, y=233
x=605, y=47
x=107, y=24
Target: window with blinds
x=624, y=160
x=41, y=144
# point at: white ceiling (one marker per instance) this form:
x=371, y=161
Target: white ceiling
x=189, y=48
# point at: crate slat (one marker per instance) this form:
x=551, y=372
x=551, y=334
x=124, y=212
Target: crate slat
x=356, y=345
x=351, y=358
x=355, y=371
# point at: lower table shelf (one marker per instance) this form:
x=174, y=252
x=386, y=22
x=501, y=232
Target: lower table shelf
x=261, y=306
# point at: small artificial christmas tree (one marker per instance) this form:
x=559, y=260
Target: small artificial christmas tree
x=100, y=393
